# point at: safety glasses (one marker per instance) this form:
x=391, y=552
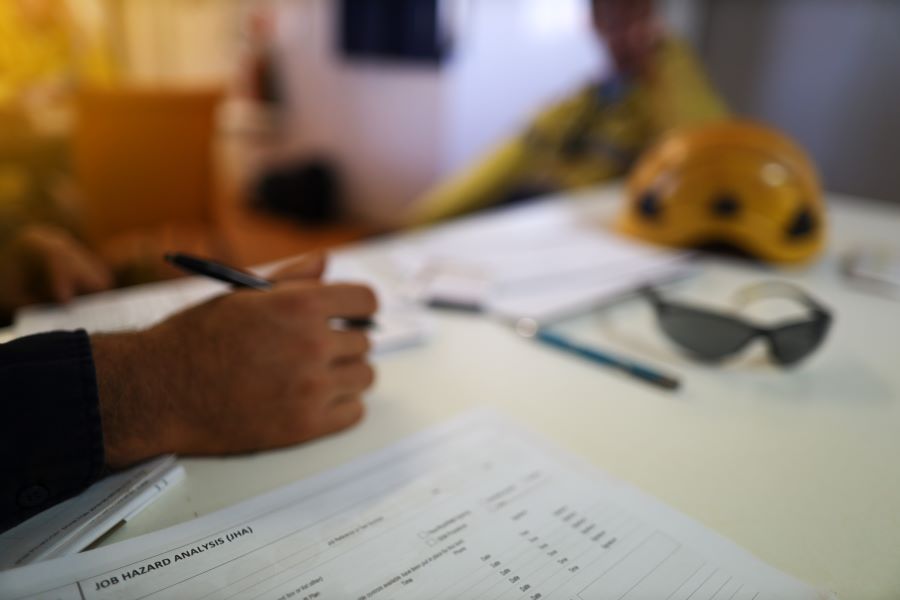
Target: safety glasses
x=711, y=336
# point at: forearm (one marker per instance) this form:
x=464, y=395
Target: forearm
x=72, y=407
x=134, y=401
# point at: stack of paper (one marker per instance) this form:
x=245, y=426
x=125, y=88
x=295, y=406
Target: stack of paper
x=543, y=262
x=75, y=524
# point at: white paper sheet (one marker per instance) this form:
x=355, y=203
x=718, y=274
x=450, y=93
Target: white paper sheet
x=543, y=262
x=399, y=323
x=75, y=524
x=474, y=509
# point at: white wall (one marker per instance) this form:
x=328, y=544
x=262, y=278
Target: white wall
x=513, y=58
x=380, y=123
x=827, y=71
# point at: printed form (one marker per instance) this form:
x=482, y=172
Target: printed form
x=475, y=509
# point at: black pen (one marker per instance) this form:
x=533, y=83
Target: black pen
x=240, y=279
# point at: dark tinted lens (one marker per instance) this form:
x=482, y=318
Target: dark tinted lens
x=793, y=343
x=708, y=335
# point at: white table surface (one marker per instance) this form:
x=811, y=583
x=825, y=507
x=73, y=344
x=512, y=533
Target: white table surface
x=802, y=468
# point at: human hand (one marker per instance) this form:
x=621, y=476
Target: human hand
x=44, y=263
x=243, y=372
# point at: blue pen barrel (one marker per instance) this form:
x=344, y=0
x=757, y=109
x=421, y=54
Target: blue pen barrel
x=604, y=358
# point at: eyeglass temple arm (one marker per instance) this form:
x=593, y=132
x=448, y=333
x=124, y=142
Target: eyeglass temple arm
x=651, y=294
x=777, y=289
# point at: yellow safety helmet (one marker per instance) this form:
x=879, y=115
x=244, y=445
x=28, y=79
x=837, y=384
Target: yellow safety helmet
x=732, y=183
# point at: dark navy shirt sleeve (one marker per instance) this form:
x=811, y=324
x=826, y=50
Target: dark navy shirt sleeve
x=51, y=440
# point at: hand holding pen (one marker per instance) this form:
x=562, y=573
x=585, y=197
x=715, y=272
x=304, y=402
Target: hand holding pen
x=243, y=279
x=241, y=372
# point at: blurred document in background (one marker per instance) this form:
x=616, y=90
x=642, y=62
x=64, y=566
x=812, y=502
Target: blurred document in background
x=541, y=261
x=874, y=268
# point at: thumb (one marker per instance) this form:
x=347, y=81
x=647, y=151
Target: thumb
x=310, y=266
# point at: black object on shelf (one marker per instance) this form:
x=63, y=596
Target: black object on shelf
x=307, y=192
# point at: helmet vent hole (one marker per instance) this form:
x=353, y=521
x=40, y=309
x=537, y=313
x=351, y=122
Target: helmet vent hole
x=649, y=206
x=803, y=224
x=726, y=206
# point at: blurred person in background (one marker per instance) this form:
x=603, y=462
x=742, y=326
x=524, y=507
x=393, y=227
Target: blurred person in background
x=44, y=263
x=597, y=134
x=44, y=57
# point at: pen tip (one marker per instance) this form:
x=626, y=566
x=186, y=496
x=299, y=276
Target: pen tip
x=670, y=383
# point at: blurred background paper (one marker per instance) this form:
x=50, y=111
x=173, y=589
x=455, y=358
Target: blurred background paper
x=541, y=261
x=875, y=269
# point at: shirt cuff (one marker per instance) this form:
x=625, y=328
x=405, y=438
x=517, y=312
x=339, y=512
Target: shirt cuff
x=52, y=438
